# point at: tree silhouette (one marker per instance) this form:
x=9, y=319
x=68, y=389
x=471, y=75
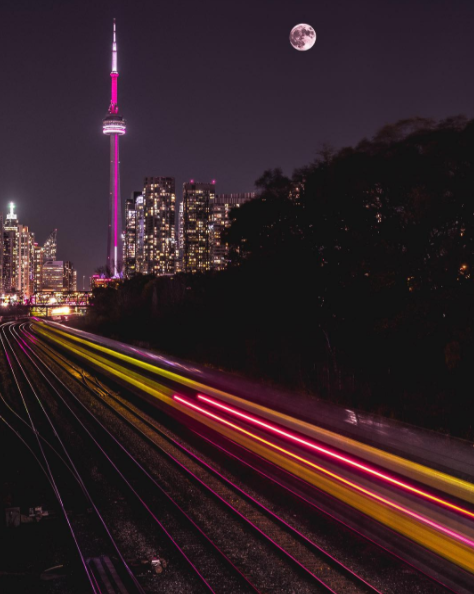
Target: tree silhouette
x=352, y=279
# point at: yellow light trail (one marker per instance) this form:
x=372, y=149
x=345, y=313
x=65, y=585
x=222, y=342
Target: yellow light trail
x=441, y=543
x=349, y=461
x=443, y=482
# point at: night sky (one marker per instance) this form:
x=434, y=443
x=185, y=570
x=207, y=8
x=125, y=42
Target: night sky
x=210, y=89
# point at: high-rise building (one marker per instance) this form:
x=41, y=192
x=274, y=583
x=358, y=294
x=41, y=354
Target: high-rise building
x=11, y=246
x=139, y=234
x=27, y=267
x=19, y=257
x=220, y=220
x=159, y=204
x=51, y=246
x=180, y=234
x=25, y=277
x=44, y=258
x=150, y=233
x=69, y=277
x=198, y=199
x=114, y=126
x=130, y=235
x=129, y=248
x=38, y=260
x=53, y=275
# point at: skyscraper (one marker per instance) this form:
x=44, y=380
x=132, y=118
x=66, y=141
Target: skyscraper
x=10, y=251
x=198, y=199
x=38, y=261
x=51, y=246
x=159, y=203
x=70, y=277
x=139, y=233
x=26, y=275
x=114, y=126
x=180, y=233
x=18, y=257
x=28, y=267
x=53, y=275
x=220, y=220
x=130, y=235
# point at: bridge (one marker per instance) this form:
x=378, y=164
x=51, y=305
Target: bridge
x=59, y=303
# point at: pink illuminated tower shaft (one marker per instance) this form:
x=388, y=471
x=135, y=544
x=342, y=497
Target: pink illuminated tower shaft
x=114, y=253
x=114, y=126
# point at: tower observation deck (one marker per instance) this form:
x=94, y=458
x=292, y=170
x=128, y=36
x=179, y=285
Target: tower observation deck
x=114, y=126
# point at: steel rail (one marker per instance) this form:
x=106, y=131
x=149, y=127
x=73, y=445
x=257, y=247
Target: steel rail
x=291, y=529
x=188, y=518
x=352, y=575
x=392, y=553
x=56, y=491
x=79, y=479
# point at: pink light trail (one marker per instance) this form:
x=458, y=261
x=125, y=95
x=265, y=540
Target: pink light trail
x=335, y=455
x=422, y=519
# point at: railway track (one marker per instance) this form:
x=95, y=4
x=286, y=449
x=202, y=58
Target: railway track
x=298, y=550
x=58, y=468
x=207, y=558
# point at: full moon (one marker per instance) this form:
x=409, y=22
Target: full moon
x=302, y=37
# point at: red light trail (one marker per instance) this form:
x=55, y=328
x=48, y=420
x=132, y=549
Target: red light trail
x=336, y=456
x=422, y=519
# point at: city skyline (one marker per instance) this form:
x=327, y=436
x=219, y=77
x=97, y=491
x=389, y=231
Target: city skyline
x=228, y=85
x=161, y=240
x=261, y=381
x=28, y=267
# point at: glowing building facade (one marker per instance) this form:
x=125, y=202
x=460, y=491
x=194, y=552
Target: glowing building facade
x=10, y=251
x=45, y=256
x=219, y=221
x=27, y=267
x=198, y=200
x=159, y=205
x=139, y=233
x=114, y=127
x=69, y=277
x=38, y=261
x=130, y=235
x=180, y=233
x=53, y=275
x=51, y=246
x=17, y=257
x=25, y=278
x=150, y=232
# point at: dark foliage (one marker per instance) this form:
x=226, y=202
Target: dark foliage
x=353, y=280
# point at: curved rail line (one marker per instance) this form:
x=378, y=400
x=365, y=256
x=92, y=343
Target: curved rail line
x=269, y=540
x=95, y=587
x=23, y=345
x=445, y=581
x=317, y=549
x=422, y=530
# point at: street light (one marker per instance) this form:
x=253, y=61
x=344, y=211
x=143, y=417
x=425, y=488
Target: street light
x=83, y=279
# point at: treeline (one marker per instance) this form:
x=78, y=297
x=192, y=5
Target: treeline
x=351, y=280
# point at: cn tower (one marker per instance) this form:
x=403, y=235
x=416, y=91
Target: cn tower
x=114, y=126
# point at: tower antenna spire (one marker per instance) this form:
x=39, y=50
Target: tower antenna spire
x=113, y=108
x=114, y=49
